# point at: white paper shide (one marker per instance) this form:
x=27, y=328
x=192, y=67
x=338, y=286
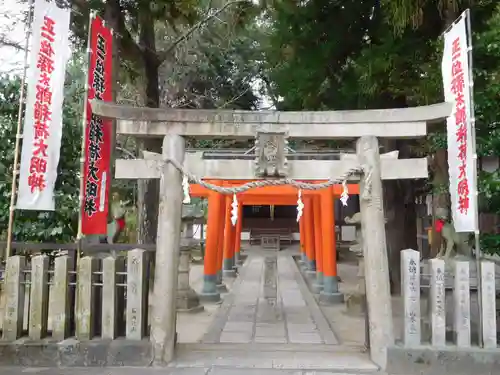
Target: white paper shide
x=43, y=114
x=457, y=90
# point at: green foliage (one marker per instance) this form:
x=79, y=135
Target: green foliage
x=490, y=243
x=321, y=57
x=310, y=47
x=60, y=225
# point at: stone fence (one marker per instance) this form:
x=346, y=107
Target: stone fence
x=445, y=316
x=104, y=298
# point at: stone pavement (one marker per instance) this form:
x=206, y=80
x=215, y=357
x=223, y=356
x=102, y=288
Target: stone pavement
x=162, y=371
x=269, y=305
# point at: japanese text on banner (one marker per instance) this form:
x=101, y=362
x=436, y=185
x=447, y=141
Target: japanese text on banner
x=98, y=133
x=42, y=129
x=461, y=164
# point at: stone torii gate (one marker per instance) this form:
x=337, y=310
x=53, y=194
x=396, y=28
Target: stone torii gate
x=271, y=130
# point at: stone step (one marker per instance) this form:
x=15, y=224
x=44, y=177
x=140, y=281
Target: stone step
x=336, y=361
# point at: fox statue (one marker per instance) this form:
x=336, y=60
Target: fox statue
x=455, y=242
x=115, y=226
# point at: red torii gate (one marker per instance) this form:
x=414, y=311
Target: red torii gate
x=223, y=240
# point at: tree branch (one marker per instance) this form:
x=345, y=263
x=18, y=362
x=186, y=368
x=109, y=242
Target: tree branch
x=162, y=56
x=126, y=44
x=4, y=42
x=234, y=98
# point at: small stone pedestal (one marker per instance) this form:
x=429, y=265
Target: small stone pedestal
x=317, y=285
x=237, y=261
x=221, y=287
x=310, y=271
x=330, y=294
x=210, y=292
x=229, y=269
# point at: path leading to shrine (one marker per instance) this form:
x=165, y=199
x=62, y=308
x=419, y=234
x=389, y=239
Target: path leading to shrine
x=251, y=314
x=259, y=327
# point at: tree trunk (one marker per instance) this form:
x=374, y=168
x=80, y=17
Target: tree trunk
x=143, y=55
x=441, y=197
x=149, y=190
x=400, y=211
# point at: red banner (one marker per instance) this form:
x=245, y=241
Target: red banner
x=97, y=179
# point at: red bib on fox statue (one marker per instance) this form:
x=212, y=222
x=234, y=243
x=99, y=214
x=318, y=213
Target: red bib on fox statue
x=438, y=225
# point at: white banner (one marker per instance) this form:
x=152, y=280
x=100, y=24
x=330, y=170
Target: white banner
x=43, y=114
x=457, y=90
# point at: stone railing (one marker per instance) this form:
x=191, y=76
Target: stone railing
x=445, y=318
x=103, y=298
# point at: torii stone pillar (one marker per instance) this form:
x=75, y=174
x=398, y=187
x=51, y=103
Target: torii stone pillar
x=163, y=317
x=378, y=292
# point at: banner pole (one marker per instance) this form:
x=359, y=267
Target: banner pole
x=83, y=153
x=476, y=192
x=8, y=248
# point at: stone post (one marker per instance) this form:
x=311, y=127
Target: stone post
x=86, y=301
x=39, y=306
x=488, y=304
x=187, y=299
x=14, y=298
x=437, y=302
x=112, y=300
x=163, y=317
x=381, y=329
x=135, y=326
x=410, y=289
x=461, y=296
x=61, y=308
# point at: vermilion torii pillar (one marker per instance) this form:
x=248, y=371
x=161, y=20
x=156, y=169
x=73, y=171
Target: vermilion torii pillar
x=330, y=292
x=215, y=209
x=225, y=219
x=318, y=245
x=309, y=235
x=229, y=241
